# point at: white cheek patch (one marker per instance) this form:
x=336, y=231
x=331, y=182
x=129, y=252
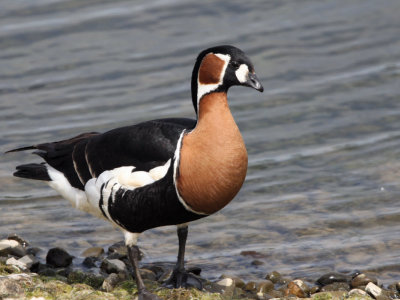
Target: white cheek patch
x=242, y=73
x=203, y=89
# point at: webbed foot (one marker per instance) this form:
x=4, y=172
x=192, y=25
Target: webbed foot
x=182, y=278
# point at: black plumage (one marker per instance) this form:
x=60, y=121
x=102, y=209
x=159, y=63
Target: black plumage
x=86, y=169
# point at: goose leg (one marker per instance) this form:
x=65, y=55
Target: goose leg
x=179, y=277
x=134, y=253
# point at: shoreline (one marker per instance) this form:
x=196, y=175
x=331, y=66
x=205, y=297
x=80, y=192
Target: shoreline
x=106, y=275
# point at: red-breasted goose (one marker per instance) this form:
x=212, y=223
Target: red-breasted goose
x=160, y=172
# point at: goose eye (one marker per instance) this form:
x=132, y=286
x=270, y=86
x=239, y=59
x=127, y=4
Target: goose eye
x=235, y=64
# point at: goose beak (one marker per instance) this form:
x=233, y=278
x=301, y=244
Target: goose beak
x=253, y=82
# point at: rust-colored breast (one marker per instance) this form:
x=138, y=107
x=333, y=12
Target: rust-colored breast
x=210, y=69
x=213, y=158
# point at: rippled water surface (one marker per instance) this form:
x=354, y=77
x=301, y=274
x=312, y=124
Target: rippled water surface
x=323, y=185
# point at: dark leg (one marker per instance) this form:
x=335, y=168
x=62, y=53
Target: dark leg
x=133, y=253
x=179, y=277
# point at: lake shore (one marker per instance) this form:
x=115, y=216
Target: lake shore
x=106, y=275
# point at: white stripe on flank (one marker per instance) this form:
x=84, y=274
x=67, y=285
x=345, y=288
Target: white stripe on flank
x=176, y=166
x=87, y=162
x=76, y=197
x=89, y=200
x=76, y=171
x=120, y=178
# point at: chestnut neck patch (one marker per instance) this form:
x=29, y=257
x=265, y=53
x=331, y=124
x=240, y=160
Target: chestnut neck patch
x=211, y=74
x=211, y=69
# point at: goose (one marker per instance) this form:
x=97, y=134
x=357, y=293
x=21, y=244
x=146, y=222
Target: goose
x=161, y=172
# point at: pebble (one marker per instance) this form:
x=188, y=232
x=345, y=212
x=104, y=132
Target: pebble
x=239, y=283
x=251, y=286
x=93, y=252
x=336, y=286
x=148, y=274
x=373, y=289
x=265, y=286
x=257, y=262
x=90, y=262
x=11, y=247
x=110, y=282
x=357, y=292
x=361, y=280
x=19, y=239
x=45, y=270
x=333, y=277
x=274, y=276
x=29, y=261
x=33, y=251
x=92, y=280
x=297, y=288
x=118, y=250
x=14, y=262
x=58, y=257
x=113, y=266
x=226, y=282
x=13, y=285
x=227, y=287
x=230, y=287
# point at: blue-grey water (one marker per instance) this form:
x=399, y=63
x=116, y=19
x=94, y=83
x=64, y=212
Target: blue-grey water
x=323, y=186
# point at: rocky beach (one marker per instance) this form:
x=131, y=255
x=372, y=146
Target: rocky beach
x=105, y=274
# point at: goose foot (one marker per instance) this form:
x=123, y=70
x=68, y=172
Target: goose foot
x=182, y=278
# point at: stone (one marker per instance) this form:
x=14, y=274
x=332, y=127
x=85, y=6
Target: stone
x=315, y=289
x=11, y=247
x=33, y=251
x=64, y=271
x=90, y=262
x=334, y=295
x=274, y=276
x=297, y=288
x=147, y=274
x=336, y=286
x=93, y=252
x=239, y=283
x=333, y=277
x=251, y=286
x=357, y=292
x=265, y=286
x=110, y=282
x=29, y=261
x=14, y=262
x=86, y=278
x=361, y=280
x=19, y=239
x=257, y=262
x=225, y=282
x=45, y=270
x=58, y=257
x=158, y=270
x=227, y=287
x=14, y=285
x=119, y=250
x=274, y=294
x=373, y=289
x=113, y=266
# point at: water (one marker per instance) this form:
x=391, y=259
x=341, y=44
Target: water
x=323, y=182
